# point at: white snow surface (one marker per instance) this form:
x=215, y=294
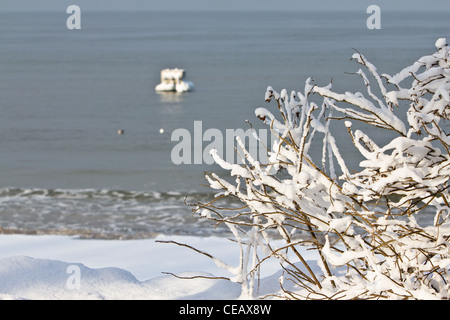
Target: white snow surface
x=42, y=267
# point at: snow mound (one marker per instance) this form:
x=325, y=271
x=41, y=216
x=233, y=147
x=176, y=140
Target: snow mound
x=23, y=277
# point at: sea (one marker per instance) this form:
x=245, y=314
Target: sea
x=65, y=94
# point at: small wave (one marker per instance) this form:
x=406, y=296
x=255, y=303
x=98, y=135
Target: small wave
x=89, y=193
x=103, y=213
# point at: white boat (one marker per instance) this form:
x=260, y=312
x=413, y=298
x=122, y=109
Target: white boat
x=172, y=80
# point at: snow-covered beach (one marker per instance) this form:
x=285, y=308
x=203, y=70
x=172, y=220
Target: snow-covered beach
x=47, y=266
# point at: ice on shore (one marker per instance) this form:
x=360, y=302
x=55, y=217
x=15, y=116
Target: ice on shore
x=23, y=277
x=49, y=267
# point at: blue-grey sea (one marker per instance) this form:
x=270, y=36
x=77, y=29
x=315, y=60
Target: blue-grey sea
x=64, y=94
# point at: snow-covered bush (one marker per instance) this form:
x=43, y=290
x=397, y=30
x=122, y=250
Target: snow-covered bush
x=364, y=224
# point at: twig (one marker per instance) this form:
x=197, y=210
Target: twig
x=196, y=277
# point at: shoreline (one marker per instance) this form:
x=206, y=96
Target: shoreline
x=80, y=234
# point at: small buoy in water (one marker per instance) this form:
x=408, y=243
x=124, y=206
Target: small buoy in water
x=161, y=130
x=120, y=131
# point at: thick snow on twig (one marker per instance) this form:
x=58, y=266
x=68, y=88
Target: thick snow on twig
x=364, y=225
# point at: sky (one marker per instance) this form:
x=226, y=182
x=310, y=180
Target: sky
x=223, y=5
